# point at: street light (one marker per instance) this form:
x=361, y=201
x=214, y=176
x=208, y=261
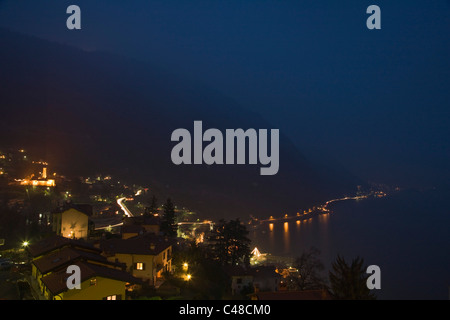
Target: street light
x=185, y=266
x=25, y=244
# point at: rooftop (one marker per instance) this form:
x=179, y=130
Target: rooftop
x=256, y=272
x=146, y=244
x=57, y=242
x=142, y=220
x=56, y=282
x=132, y=228
x=65, y=256
x=293, y=295
x=83, y=208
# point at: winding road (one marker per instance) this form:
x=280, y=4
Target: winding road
x=123, y=207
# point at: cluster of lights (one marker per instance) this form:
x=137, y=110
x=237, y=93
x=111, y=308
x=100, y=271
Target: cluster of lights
x=44, y=163
x=187, y=276
x=324, y=208
x=35, y=183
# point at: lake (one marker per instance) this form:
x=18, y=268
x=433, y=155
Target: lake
x=406, y=234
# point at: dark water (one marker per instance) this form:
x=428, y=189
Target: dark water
x=406, y=234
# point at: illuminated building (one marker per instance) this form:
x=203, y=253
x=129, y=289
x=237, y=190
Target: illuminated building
x=148, y=256
x=100, y=279
x=43, y=181
x=38, y=182
x=72, y=220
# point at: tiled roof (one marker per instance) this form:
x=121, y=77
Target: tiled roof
x=83, y=208
x=294, y=295
x=142, y=220
x=238, y=271
x=132, y=228
x=56, y=282
x=57, y=242
x=146, y=244
x=256, y=272
x=66, y=256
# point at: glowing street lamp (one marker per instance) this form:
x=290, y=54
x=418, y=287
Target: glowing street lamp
x=185, y=266
x=25, y=244
x=188, y=277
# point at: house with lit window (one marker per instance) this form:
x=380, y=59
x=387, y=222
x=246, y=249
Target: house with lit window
x=57, y=243
x=72, y=220
x=97, y=282
x=146, y=256
x=100, y=278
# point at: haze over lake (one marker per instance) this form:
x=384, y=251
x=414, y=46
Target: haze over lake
x=405, y=234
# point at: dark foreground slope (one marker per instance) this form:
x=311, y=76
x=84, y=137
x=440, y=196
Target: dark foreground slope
x=89, y=112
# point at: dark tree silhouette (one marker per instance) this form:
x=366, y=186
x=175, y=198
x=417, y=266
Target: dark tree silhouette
x=348, y=282
x=229, y=243
x=152, y=209
x=309, y=267
x=168, y=224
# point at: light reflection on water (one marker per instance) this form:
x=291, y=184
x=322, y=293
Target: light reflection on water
x=406, y=236
x=285, y=238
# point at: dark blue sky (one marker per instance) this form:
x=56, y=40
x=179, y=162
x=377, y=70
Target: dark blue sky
x=376, y=100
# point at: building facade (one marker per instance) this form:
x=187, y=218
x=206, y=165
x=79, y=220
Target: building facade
x=99, y=278
x=72, y=221
x=146, y=256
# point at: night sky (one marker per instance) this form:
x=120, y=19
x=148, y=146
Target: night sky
x=375, y=100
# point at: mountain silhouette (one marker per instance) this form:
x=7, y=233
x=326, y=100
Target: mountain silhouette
x=96, y=112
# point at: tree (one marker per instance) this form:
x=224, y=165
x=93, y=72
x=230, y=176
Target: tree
x=209, y=280
x=168, y=224
x=152, y=209
x=309, y=267
x=189, y=253
x=229, y=243
x=348, y=282
x=13, y=226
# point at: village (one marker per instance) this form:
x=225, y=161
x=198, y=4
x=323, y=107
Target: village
x=124, y=244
